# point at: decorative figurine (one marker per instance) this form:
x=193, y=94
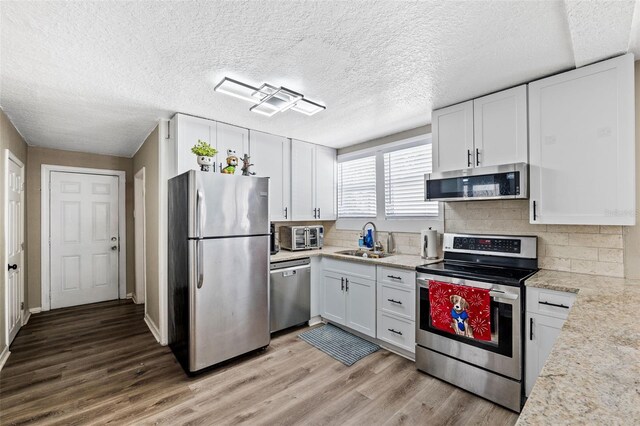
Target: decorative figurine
x=245, y=166
x=232, y=163
x=205, y=153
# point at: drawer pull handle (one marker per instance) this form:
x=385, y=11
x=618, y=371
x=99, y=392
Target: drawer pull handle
x=554, y=304
x=393, y=277
x=395, y=301
x=395, y=331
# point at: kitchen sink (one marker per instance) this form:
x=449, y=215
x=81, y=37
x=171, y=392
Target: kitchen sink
x=365, y=254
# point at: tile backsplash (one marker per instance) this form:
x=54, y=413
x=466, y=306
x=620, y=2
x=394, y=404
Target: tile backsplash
x=585, y=249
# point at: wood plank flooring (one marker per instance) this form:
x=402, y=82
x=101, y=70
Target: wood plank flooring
x=99, y=364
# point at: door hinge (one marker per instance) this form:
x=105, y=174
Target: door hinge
x=22, y=305
x=168, y=129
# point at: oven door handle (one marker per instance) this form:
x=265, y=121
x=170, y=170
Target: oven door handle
x=424, y=283
x=502, y=295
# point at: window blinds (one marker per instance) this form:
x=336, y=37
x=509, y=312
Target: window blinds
x=357, y=188
x=404, y=172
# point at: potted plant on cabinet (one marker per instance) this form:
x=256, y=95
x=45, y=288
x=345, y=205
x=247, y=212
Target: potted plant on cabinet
x=205, y=153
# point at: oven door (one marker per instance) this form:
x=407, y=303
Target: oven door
x=502, y=354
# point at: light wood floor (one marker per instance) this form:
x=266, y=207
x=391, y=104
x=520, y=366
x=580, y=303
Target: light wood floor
x=100, y=364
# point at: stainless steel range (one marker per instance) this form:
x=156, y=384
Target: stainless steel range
x=491, y=368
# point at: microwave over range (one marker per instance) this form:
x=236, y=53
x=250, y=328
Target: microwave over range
x=509, y=181
x=301, y=237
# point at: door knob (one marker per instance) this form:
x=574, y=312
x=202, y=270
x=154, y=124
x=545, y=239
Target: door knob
x=14, y=266
x=114, y=248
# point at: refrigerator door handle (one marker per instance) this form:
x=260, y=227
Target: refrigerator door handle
x=199, y=203
x=199, y=262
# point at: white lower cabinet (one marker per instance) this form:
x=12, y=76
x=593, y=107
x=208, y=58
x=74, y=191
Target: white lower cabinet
x=397, y=331
x=349, y=296
x=547, y=311
x=396, y=291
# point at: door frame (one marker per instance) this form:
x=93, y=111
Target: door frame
x=140, y=221
x=10, y=156
x=45, y=209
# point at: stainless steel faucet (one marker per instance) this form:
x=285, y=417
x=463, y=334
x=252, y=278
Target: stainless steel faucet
x=374, y=235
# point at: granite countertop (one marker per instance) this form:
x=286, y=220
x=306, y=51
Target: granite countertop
x=592, y=375
x=403, y=261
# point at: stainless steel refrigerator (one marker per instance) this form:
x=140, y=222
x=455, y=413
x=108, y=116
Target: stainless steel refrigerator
x=218, y=267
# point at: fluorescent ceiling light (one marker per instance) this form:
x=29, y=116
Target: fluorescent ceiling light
x=268, y=99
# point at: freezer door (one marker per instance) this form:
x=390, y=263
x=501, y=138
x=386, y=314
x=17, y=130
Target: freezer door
x=229, y=299
x=227, y=205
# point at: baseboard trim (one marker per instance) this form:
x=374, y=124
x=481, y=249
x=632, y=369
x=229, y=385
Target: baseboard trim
x=25, y=319
x=35, y=310
x=4, y=356
x=152, y=327
x=315, y=320
x=132, y=296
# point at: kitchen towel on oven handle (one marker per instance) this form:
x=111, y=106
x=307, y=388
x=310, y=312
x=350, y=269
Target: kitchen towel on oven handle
x=461, y=310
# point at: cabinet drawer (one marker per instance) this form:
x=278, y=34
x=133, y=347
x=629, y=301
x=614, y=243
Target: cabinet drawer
x=549, y=302
x=397, y=276
x=355, y=269
x=399, y=332
x=398, y=301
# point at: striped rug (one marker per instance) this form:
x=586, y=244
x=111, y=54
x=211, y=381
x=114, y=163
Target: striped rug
x=337, y=343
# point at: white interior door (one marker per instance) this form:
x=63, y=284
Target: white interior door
x=14, y=247
x=84, y=238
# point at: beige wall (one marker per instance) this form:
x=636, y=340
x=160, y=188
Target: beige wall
x=40, y=156
x=632, y=233
x=9, y=139
x=148, y=157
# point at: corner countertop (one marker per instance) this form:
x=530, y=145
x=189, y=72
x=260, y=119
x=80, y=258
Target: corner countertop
x=402, y=261
x=592, y=375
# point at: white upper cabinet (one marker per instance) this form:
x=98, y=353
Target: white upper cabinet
x=302, y=180
x=582, y=153
x=326, y=183
x=313, y=181
x=500, y=128
x=187, y=131
x=452, y=135
x=488, y=131
x=234, y=138
x=271, y=156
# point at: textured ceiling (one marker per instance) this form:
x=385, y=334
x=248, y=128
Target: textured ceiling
x=96, y=76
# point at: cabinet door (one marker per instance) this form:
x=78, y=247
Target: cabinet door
x=500, y=128
x=231, y=137
x=333, y=298
x=326, y=183
x=271, y=156
x=582, y=154
x=188, y=131
x=452, y=130
x=302, y=180
x=361, y=305
x=541, y=333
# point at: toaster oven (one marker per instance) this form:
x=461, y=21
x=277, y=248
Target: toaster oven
x=301, y=237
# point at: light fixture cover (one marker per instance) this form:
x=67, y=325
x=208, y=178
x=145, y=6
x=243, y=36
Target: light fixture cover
x=268, y=99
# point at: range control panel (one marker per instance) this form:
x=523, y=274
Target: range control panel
x=501, y=245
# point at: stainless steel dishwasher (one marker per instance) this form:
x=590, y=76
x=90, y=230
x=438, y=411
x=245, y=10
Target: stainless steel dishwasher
x=290, y=301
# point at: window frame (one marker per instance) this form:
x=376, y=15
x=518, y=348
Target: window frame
x=391, y=224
